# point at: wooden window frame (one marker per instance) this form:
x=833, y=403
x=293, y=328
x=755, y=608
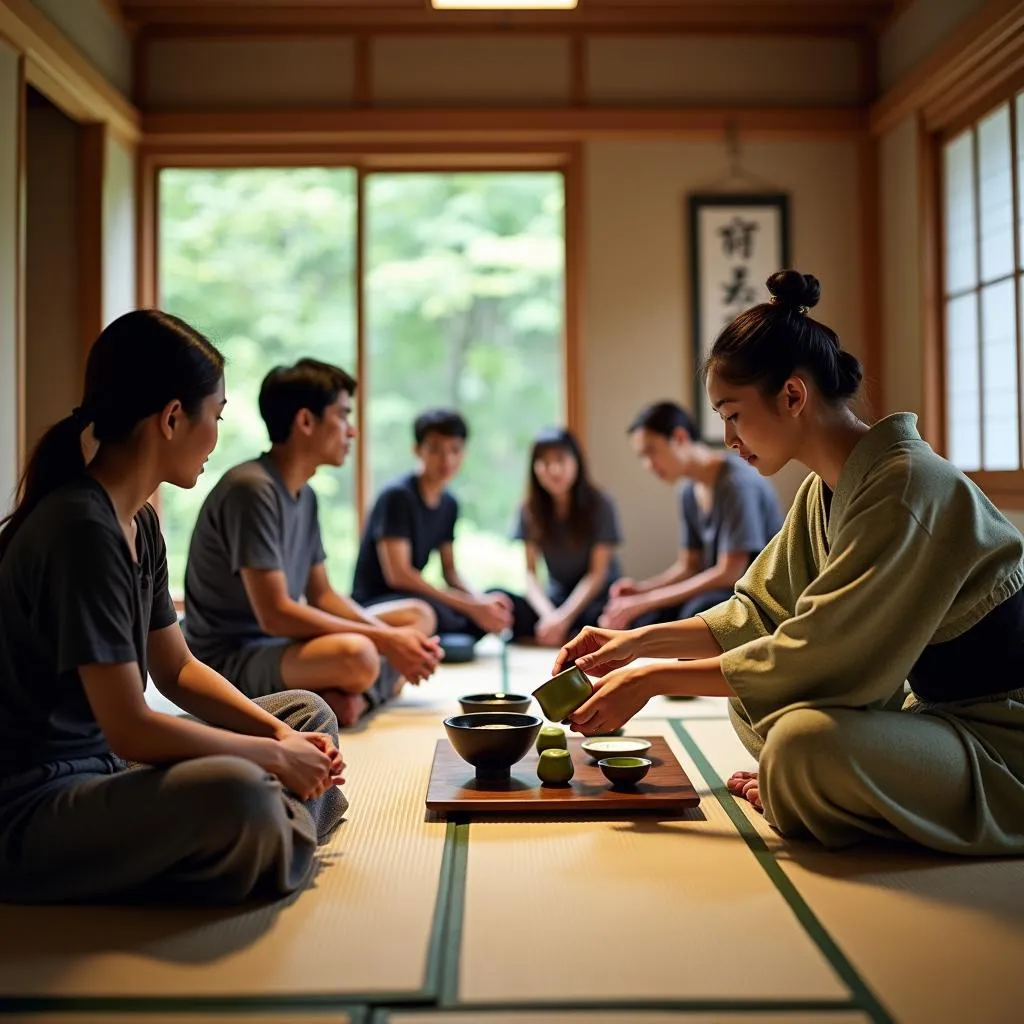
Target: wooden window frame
x=1004, y=488
x=406, y=158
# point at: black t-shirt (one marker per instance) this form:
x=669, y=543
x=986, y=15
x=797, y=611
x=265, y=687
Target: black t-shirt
x=71, y=594
x=400, y=512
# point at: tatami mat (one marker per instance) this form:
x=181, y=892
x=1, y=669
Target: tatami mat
x=621, y=1017
x=363, y=927
x=357, y=1016
x=937, y=938
x=629, y=911
x=527, y=668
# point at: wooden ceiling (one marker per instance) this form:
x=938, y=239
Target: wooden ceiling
x=383, y=16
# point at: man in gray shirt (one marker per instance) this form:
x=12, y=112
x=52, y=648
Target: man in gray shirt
x=727, y=514
x=259, y=607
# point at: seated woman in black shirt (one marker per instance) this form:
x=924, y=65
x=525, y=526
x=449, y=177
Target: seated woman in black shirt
x=574, y=527
x=209, y=813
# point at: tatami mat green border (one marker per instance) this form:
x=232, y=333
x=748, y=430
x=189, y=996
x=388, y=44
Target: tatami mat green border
x=428, y=993
x=864, y=999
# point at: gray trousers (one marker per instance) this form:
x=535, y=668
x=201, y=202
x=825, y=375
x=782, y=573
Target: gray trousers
x=211, y=830
x=947, y=776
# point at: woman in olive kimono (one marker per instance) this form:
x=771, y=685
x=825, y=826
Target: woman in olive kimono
x=891, y=567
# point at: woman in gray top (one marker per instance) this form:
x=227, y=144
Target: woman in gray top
x=574, y=527
x=102, y=798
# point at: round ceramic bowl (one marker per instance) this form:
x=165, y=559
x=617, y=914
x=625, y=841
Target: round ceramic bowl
x=625, y=771
x=492, y=741
x=484, y=702
x=600, y=747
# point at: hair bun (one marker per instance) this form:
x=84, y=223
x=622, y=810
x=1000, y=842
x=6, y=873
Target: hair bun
x=791, y=288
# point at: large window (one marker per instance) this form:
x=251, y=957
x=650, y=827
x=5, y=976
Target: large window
x=982, y=287
x=464, y=306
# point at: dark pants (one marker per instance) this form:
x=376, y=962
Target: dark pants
x=210, y=830
x=525, y=619
x=687, y=610
x=448, y=619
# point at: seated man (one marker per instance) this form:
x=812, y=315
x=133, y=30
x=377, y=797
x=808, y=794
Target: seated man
x=256, y=553
x=414, y=516
x=727, y=511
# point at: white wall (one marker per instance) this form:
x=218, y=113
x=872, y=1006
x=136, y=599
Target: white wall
x=52, y=349
x=637, y=346
x=92, y=28
x=119, y=266
x=901, y=269
x=10, y=116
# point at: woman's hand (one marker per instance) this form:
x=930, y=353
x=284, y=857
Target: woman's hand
x=302, y=764
x=617, y=698
x=323, y=742
x=599, y=651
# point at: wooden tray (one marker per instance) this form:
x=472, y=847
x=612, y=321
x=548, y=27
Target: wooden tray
x=453, y=787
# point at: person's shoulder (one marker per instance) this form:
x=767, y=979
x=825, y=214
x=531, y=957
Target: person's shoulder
x=249, y=478
x=605, y=501
x=399, y=488
x=73, y=520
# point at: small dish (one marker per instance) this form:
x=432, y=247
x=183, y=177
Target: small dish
x=600, y=747
x=625, y=771
x=561, y=695
x=473, y=703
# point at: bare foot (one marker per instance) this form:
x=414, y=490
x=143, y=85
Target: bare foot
x=348, y=708
x=744, y=784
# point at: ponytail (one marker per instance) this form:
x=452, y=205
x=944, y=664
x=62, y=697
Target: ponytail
x=57, y=459
x=140, y=362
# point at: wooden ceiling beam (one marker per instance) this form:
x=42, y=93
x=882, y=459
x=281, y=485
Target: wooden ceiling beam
x=319, y=128
x=699, y=16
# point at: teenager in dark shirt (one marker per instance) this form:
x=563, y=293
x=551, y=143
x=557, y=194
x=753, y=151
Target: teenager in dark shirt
x=574, y=527
x=414, y=516
x=214, y=810
x=256, y=552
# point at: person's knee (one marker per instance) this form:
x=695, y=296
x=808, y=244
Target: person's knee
x=232, y=794
x=309, y=712
x=424, y=618
x=798, y=738
x=358, y=665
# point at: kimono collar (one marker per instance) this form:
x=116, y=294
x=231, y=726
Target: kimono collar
x=885, y=434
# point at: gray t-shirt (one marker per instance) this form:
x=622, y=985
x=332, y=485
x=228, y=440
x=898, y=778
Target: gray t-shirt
x=568, y=561
x=71, y=595
x=249, y=520
x=744, y=514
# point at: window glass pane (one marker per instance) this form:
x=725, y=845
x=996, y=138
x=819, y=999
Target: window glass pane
x=962, y=382
x=262, y=260
x=960, y=241
x=995, y=189
x=464, y=307
x=999, y=375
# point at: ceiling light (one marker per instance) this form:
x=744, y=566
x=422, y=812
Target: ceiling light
x=503, y=5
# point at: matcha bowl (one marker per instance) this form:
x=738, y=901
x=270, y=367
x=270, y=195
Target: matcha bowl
x=561, y=695
x=492, y=741
x=625, y=771
x=516, y=702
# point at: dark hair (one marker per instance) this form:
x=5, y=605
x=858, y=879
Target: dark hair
x=664, y=418
x=287, y=390
x=766, y=343
x=446, y=422
x=540, y=505
x=140, y=362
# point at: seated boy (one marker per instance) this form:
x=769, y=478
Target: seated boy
x=256, y=553
x=414, y=516
x=727, y=513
